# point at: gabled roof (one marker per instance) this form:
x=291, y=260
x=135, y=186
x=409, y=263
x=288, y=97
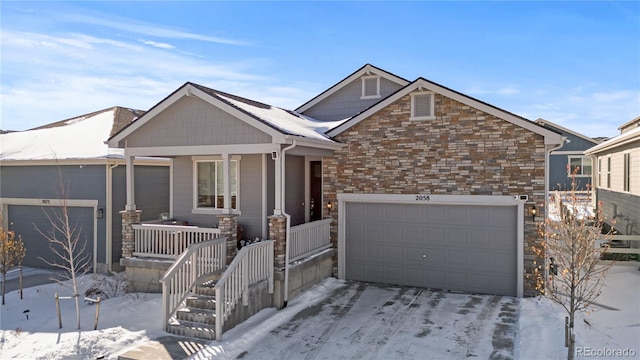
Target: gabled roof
x=544, y=122
x=366, y=69
x=81, y=137
x=626, y=137
x=630, y=124
x=270, y=119
x=551, y=137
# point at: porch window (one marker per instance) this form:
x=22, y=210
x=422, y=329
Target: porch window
x=580, y=165
x=210, y=185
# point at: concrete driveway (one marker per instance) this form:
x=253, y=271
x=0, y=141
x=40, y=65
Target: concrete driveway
x=371, y=321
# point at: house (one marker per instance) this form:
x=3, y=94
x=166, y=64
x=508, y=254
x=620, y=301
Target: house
x=33, y=162
x=570, y=158
x=394, y=181
x=617, y=178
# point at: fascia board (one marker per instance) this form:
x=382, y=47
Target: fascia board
x=355, y=76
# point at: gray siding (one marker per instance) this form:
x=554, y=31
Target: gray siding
x=625, y=207
x=152, y=197
x=42, y=182
x=250, y=195
x=347, y=101
x=558, y=176
x=191, y=121
x=294, y=189
x=576, y=143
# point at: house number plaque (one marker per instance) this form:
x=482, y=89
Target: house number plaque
x=422, y=198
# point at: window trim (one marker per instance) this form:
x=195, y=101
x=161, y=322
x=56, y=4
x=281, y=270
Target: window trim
x=608, y=172
x=413, y=106
x=364, y=87
x=581, y=157
x=213, y=210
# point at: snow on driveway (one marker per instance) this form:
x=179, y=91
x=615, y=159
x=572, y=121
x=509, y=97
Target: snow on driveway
x=370, y=321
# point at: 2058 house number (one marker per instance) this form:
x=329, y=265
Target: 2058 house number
x=422, y=198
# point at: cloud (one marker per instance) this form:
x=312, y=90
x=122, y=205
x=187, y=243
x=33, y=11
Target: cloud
x=504, y=91
x=157, y=44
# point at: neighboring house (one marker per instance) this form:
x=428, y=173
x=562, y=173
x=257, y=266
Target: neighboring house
x=34, y=162
x=570, y=158
x=617, y=180
x=426, y=186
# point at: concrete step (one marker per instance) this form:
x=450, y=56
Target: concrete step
x=192, y=329
x=197, y=315
x=205, y=302
x=166, y=348
x=205, y=290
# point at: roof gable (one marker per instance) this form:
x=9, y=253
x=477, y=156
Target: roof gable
x=276, y=122
x=367, y=69
x=563, y=130
x=421, y=84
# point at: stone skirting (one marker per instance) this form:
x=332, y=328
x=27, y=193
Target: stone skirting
x=228, y=226
x=129, y=217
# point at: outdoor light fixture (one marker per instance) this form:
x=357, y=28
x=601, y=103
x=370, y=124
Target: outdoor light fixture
x=533, y=212
x=99, y=213
x=329, y=205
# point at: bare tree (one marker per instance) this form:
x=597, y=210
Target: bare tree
x=571, y=241
x=12, y=252
x=69, y=245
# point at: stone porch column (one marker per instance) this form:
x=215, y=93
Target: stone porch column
x=228, y=225
x=278, y=232
x=129, y=217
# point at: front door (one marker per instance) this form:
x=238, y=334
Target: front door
x=315, y=190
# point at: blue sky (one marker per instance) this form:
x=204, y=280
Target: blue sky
x=573, y=63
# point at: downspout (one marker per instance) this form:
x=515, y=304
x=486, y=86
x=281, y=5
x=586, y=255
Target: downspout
x=288, y=225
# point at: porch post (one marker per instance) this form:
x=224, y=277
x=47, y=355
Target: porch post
x=129, y=218
x=278, y=183
x=278, y=232
x=131, y=198
x=226, y=174
x=228, y=225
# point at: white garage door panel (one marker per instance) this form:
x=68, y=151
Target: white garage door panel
x=458, y=247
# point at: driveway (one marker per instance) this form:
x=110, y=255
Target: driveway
x=371, y=321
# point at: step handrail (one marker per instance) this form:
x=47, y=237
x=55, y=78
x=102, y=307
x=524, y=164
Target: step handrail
x=197, y=260
x=254, y=263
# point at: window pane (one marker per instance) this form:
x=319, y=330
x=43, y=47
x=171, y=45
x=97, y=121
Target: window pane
x=234, y=183
x=206, y=181
x=586, y=166
x=575, y=165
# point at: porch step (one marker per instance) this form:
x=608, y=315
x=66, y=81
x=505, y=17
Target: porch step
x=205, y=302
x=196, y=315
x=192, y=329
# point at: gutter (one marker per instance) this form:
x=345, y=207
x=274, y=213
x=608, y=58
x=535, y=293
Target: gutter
x=288, y=226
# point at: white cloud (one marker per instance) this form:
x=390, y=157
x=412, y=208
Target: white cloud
x=158, y=44
x=507, y=90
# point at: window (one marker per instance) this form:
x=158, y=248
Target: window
x=210, y=184
x=627, y=172
x=608, y=172
x=370, y=87
x=422, y=106
x=580, y=165
x=600, y=172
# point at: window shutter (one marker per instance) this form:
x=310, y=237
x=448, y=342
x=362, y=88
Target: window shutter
x=422, y=105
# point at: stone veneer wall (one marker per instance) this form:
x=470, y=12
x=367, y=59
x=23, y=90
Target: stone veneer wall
x=464, y=151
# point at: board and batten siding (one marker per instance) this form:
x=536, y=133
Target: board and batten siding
x=192, y=121
x=617, y=168
x=347, y=101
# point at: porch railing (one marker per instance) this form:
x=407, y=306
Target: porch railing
x=307, y=239
x=168, y=241
x=200, y=259
x=253, y=264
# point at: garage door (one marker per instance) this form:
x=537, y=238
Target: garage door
x=26, y=218
x=471, y=248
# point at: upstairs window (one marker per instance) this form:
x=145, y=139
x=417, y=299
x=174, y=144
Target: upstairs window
x=370, y=87
x=422, y=107
x=580, y=165
x=608, y=185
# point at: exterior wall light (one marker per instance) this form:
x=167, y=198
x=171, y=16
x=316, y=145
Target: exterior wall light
x=329, y=205
x=533, y=211
x=100, y=213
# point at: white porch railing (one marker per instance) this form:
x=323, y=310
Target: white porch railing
x=307, y=239
x=168, y=241
x=253, y=264
x=200, y=259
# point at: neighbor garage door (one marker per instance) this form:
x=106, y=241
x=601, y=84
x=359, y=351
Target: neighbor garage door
x=471, y=248
x=26, y=220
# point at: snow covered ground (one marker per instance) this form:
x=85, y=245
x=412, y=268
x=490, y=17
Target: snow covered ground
x=128, y=321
